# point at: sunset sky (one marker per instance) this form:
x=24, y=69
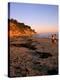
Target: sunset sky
x=43, y=18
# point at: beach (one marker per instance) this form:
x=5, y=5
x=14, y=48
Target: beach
x=29, y=56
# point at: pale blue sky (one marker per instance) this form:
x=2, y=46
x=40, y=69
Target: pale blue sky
x=42, y=18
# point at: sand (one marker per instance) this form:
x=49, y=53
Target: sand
x=32, y=57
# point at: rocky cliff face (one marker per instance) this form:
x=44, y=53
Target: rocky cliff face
x=19, y=29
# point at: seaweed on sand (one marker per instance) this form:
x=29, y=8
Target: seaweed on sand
x=44, y=54
x=26, y=45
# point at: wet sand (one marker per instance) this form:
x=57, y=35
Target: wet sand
x=32, y=57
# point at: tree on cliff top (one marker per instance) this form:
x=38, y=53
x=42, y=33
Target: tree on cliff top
x=21, y=26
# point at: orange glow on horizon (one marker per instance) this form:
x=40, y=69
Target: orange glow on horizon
x=46, y=29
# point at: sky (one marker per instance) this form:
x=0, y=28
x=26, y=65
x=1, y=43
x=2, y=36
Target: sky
x=41, y=17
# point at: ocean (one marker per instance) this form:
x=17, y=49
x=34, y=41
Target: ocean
x=45, y=35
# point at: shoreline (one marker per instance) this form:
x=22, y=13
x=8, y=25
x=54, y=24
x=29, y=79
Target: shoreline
x=32, y=57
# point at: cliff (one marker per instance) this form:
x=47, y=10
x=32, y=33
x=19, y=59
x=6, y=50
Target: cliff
x=19, y=29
